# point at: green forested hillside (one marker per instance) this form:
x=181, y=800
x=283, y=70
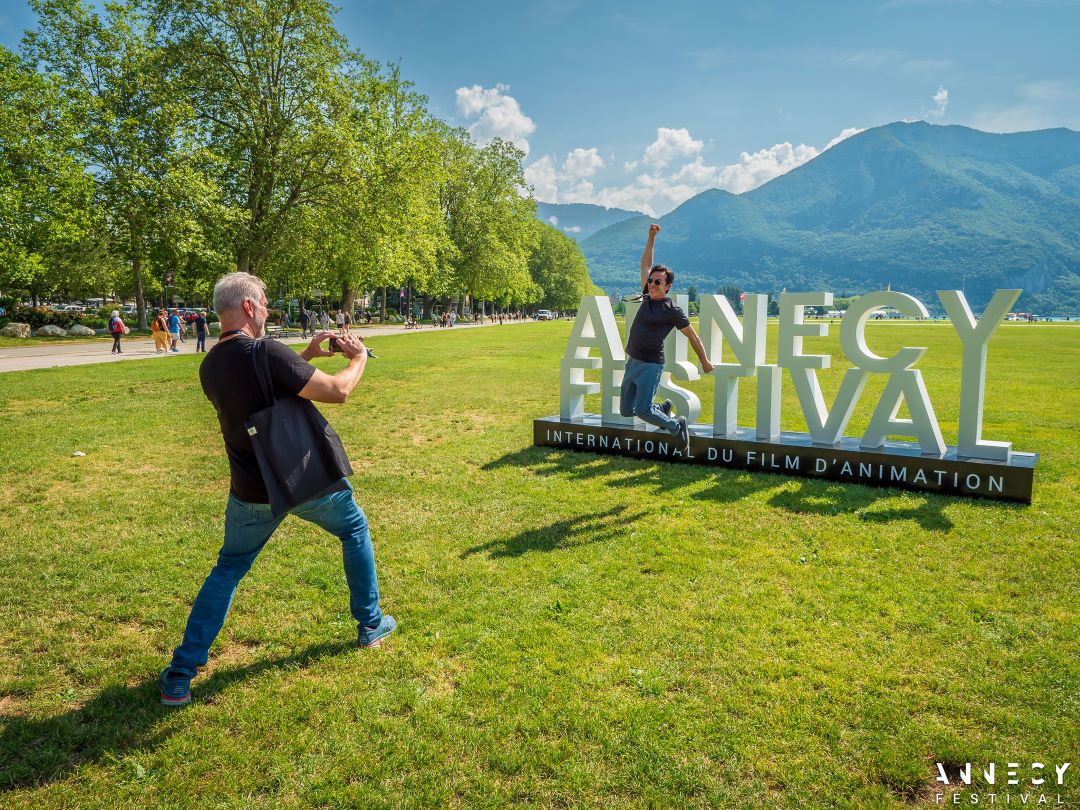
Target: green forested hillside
x=919, y=206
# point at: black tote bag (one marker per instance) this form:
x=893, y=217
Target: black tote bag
x=300, y=456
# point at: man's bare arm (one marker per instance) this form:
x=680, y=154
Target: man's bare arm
x=699, y=348
x=335, y=388
x=647, y=254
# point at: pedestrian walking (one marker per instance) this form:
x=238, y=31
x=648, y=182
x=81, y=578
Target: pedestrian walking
x=174, y=330
x=117, y=330
x=159, y=328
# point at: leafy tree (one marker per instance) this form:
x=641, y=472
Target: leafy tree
x=391, y=231
x=46, y=213
x=558, y=269
x=131, y=123
x=734, y=296
x=271, y=80
x=488, y=219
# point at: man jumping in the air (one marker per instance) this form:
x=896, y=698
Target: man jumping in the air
x=645, y=348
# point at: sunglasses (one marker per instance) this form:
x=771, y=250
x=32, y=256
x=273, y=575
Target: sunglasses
x=658, y=281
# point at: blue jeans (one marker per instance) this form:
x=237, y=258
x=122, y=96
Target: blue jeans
x=639, y=383
x=248, y=527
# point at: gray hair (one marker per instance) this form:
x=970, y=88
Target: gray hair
x=116, y=313
x=234, y=289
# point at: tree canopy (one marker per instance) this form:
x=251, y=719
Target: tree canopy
x=192, y=137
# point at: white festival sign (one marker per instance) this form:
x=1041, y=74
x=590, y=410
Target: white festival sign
x=595, y=329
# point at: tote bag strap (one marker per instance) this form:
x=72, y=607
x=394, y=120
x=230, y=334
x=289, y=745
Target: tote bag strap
x=261, y=358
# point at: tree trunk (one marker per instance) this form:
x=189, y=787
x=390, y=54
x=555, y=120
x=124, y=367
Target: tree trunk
x=347, y=297
x=140, y=302
x=382, y=308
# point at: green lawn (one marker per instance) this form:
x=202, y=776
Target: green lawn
x=576, y=630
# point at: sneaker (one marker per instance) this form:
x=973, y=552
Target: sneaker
x=175, y=350
x=175, y=688
x=682, y=435
x=665, y=406
x=373, y=636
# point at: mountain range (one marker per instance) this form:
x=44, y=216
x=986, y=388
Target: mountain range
x=914, y=205
x=581, y=220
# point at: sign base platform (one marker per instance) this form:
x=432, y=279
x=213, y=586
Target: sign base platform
x=895, y=464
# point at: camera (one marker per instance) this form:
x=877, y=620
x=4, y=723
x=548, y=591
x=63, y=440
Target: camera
x=334, y=346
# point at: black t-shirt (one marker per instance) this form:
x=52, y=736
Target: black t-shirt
x=229, y=382
x=200, y=325
x=654, y=320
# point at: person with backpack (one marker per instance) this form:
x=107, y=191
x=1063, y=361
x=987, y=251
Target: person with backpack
x=117, y=330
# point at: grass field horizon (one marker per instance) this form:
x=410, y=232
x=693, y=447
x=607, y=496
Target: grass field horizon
x=576, y=630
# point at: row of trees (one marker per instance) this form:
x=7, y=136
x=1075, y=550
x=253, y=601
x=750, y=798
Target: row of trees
x=199, y=136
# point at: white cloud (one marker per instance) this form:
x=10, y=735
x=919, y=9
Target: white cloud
x=670, y=144
x=574, y=229
x=542, y=176
x=568, y=184
x=554, y=220
x=758, y=168
x=499, y=115
x=667, y=183
x=844, y=135
x=941, y=101
x=582, y=163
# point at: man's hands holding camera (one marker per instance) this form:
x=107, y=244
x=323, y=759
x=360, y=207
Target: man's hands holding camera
x=349, y=345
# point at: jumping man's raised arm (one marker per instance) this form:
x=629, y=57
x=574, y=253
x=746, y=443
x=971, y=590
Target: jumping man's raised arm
x=646, y=256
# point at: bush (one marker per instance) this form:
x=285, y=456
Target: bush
x=41, y=316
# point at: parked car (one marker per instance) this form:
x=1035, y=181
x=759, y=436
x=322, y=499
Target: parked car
x=544, y=315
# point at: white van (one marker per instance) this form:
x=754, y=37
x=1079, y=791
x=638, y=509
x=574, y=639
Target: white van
x=544, y=315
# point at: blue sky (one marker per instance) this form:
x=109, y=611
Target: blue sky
x=641, y=105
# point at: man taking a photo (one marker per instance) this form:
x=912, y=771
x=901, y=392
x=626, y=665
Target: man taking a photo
x=230, y=382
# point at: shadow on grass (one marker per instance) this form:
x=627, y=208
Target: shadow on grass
x=118, y=720
x=809, y=496
x=564, y=534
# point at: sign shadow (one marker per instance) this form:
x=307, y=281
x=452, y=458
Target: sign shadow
x=573, y=532
x=802, y=496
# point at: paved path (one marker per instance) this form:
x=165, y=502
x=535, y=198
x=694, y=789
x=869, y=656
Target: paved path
x=37, y=355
